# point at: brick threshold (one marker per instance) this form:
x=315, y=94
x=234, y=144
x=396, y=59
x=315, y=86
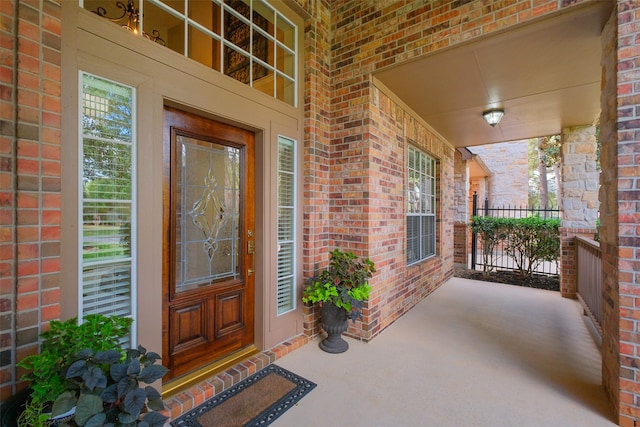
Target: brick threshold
x=184, y=401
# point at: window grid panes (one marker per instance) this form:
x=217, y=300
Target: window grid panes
x=107, y=198
x=421, y=206
x=248, y=40
x=286, y=292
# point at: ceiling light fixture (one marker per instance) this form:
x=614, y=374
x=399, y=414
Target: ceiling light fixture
x=131, y=14
x=493, y=116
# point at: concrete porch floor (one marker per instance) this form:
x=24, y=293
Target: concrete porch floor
x=472, y=354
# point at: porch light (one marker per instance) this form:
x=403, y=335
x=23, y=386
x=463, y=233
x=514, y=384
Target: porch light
x=131, y=15
x=493, y=116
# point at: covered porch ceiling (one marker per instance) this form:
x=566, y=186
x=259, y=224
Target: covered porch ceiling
x=545, y=75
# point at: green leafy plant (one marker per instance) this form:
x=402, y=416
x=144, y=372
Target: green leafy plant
x=84, y=366
x=60, y=344
x=531, y=241
x=345, y=283
x=104, y=387
x=492, y=231
x=528, y=241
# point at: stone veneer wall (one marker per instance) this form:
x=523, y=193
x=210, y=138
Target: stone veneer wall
x=580, y=181
x=30, y=202
x=509, y=164
x=580, y=177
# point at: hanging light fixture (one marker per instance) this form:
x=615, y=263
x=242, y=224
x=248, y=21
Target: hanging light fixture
x=130, y=20
x=493, y=116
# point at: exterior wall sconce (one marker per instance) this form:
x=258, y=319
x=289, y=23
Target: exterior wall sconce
x=131, y=15
x=493, y=116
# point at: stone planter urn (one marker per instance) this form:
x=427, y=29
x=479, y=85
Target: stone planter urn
x=334, y=321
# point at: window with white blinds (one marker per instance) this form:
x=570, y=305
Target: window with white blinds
x=286, y=297
x=421, y=206
x=107, y=198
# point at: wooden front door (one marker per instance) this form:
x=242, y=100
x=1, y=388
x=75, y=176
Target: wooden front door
x=208, y=289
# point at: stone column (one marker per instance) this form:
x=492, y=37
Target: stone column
x=579, y=182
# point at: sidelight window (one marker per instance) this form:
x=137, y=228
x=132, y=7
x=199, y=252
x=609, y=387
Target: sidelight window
x=107, y=197
x=286, y=295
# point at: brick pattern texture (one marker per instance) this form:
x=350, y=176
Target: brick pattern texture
x=568, y=270
x=30, y=179
x=620, y=215
x=367, y=36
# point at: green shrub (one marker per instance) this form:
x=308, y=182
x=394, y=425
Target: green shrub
x=491, y=231
x=528, y=241
x=532, y=241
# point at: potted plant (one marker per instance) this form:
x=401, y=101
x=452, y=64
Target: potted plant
x=64, y=344
x=341, y=289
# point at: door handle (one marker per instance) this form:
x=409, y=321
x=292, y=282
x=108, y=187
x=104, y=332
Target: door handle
x=251, y=250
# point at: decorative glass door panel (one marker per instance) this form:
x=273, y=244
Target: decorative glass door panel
x=207, y=193
x=209, y=244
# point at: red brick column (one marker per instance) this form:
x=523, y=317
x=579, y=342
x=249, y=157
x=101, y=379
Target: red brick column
x=316, y=150
x=620, y=235
x=568, y=273
x=29, y=179
x=460, y=243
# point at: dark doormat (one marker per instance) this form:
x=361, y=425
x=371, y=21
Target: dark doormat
x=255, y=401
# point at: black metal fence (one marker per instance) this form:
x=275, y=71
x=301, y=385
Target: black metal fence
x=500, y=260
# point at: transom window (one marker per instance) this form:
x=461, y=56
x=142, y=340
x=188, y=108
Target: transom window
x=247, y=40
x=421, y=206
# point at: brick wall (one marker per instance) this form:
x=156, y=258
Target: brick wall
x=371, y=35
x=619, y=234
x=397, y=288
x=317, y=121
x=29, y=179
x=568, y=269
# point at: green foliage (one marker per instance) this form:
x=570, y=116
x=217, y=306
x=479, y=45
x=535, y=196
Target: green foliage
x=104, y=387
x=60, y=344
x=528, y=241
x=491, y=231
x=531, y=241
x=546, y=151
x=550, y=147
x=344, y=283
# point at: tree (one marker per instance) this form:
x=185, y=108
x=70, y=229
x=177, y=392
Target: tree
x=544, y=154
x=542, y=173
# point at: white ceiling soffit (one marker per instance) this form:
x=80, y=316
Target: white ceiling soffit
x=545, y=75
